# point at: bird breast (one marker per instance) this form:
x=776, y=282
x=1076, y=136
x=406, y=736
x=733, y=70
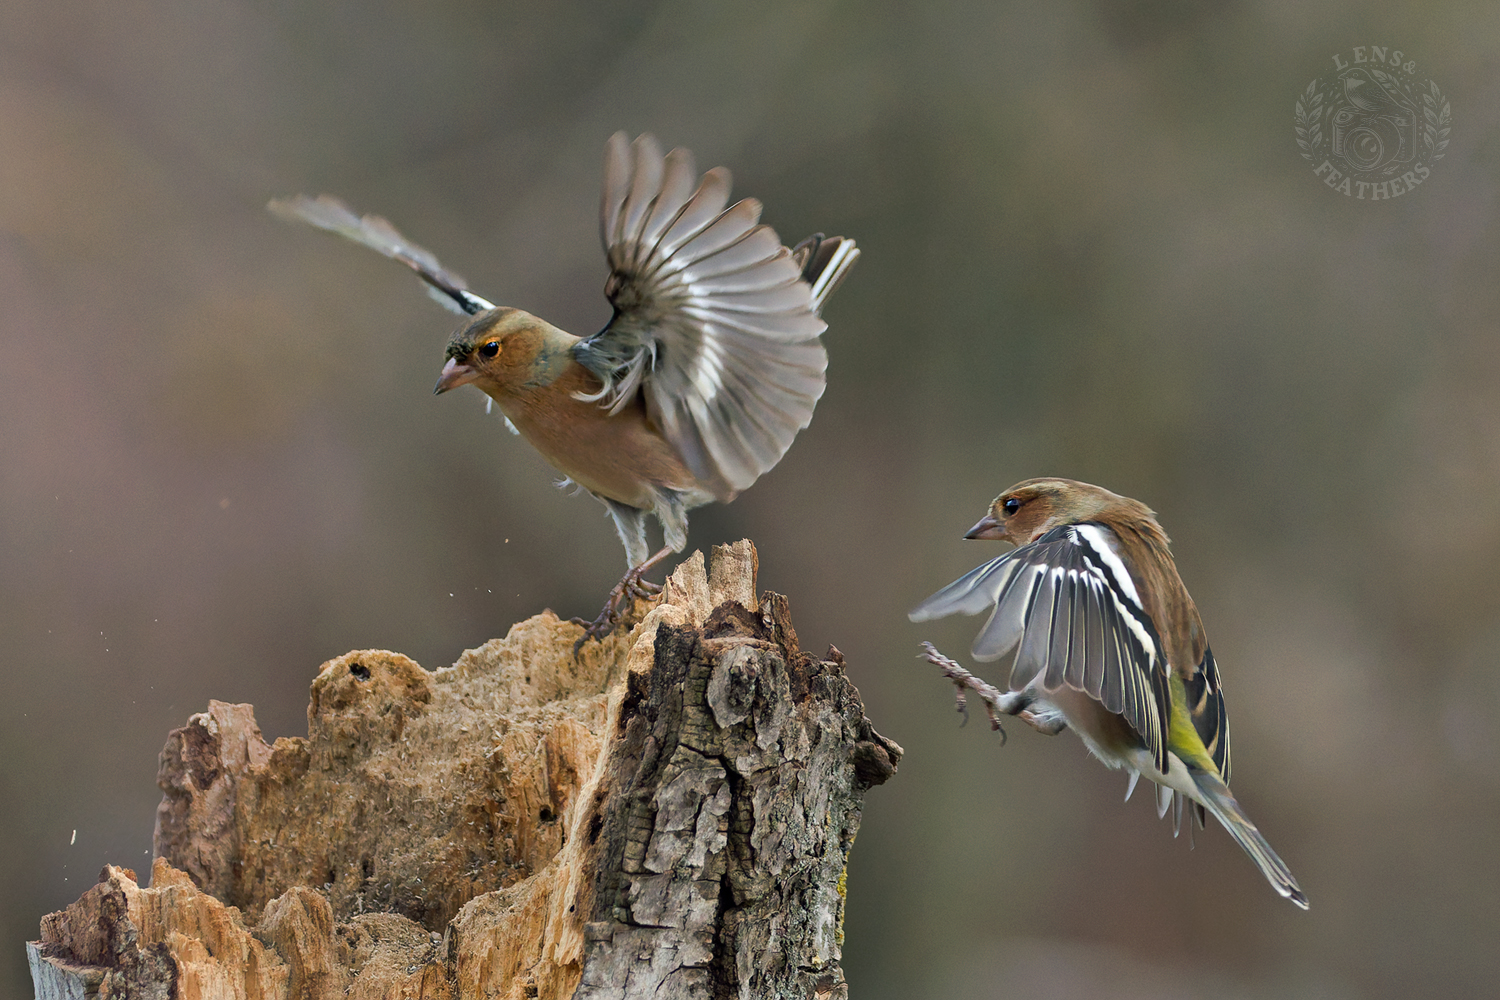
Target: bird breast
x=620, y=456
x=1106, y=733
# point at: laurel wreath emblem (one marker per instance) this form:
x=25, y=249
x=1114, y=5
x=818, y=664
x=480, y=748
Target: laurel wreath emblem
x=1439, y=117
x=1310, y=122
x=1315, y=111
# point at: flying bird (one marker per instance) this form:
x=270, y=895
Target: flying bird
x=708, y=368
x=1107, y=642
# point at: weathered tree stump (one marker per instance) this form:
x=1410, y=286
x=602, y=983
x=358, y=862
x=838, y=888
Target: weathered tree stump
x=667, y=815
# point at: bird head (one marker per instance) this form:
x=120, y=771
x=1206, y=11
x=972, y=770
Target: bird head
x=1030, y=509
x=498, y=349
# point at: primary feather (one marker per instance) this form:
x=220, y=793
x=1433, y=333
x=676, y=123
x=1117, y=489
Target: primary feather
x=715, y=321
x=1104, y=634
x=708, y=369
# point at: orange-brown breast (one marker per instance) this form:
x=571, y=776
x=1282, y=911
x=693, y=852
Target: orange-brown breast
x=617, y=456
x=1096, y=724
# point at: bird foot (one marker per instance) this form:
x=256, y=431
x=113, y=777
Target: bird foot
x=617, y=606
x=637, y=587
x=993, y=698
x=1049, y=722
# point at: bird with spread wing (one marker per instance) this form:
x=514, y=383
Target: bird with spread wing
x=1106, y=642
x=698, y=384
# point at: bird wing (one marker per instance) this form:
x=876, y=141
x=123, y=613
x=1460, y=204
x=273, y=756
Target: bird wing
x=327, y=212
x=1205, y=704
x=715, y=321
x=1070, y=604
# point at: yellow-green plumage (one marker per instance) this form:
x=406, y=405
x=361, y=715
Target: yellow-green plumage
x=1183, y=738
x=1107, y=641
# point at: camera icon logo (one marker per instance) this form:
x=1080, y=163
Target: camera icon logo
x=1377, y=128
x=1370, y=128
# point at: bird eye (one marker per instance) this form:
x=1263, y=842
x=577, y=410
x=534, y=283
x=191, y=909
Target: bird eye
x=1011, y=506
x=491, y=349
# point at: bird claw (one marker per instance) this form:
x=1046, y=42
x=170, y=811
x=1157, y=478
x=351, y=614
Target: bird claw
x=617, y=607
x=600, y=628
x=638, y=587
x=964, y=681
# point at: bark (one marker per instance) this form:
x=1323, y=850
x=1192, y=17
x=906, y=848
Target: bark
x=667, y=815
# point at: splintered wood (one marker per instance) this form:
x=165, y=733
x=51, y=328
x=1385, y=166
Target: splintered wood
x=667, y=815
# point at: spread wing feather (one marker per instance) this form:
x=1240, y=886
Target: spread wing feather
x=773, y=272
x=971, y=593
x=327, y=212
x=715, y=321
x=1058, y=604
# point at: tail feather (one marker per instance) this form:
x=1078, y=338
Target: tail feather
x=824, y=262
x=1221, y=803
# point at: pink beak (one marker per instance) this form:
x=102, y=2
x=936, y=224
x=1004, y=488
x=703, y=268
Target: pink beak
x=454, y=375
x=987, y=528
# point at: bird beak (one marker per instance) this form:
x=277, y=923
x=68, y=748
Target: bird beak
x=987, y=528
x=454, y=375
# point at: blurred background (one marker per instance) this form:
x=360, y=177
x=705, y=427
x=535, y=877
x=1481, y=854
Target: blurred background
x=1091, y=249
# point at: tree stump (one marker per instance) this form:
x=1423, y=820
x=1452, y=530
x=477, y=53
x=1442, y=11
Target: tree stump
x=667, y=815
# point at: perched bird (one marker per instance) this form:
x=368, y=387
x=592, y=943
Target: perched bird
x=1110, y=645
x=695, y=388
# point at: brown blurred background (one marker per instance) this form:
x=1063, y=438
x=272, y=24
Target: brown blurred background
x=1091, y=249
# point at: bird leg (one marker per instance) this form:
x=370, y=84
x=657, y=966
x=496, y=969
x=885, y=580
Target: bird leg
x=621, y=599
x=996, y=702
